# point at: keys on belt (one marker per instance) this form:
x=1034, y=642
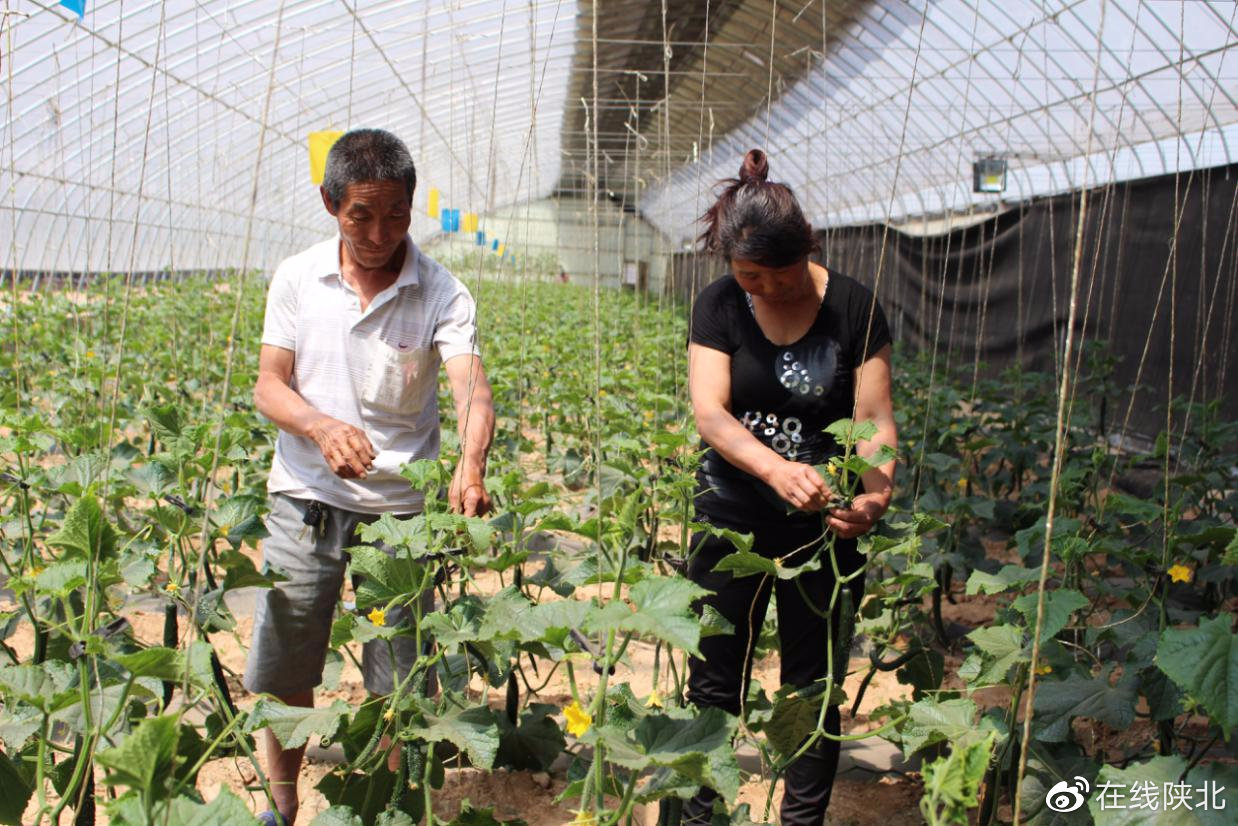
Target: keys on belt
x=316, y=518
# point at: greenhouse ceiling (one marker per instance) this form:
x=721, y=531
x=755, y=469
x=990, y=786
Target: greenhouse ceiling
x=147, y=135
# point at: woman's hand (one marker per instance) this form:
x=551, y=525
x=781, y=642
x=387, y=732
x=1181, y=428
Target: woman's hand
x=799, y=485
x=860, y=518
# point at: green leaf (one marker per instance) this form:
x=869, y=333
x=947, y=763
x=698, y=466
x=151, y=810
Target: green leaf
x=45, y=686
x=550, y=622
x=165, y=421
x=16, y=789
x=713, y=623
x=480, y=817
x=742, y=541
x=225, y=810
x=61, y=577
x=17, y=722
x=385, y=578
x=479, y=532
x=1010, y=576
x=534, y=743
x=1203, y=662
x=337, y=816
x=1115, y=792
x=1059, y=605
x=948, y=721
x=239, y=519
x=85, y=531
x=1057, y=703
x=473, y=731
x=952, y=782
x=1003, y=647
x=144, y=760
x=1049, y=765
x=79, y=473
x=792, y=719
x=698, y=747
x=407, y=535
x=848, y=432
x=241, y=572
x=1230, y=556
x=924, y=672
x=156, y=661
x=746, y=563
x=211, y=611
x=293, y=725
x=507, y=616
x=664, y=610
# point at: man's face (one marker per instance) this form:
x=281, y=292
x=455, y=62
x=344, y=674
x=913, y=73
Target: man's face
x=373, y=217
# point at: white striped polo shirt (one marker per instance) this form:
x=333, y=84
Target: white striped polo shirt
x=377, y=369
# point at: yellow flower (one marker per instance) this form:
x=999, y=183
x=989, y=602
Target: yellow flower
x=172, y=588
x=1044, y=669
x=90, y=354
x=584, y=818
x=831, y=469
x=962, y=483
x=578, y=720
x=655, y=700
x=1179, y=573
x=377, y=616
x=389, y=715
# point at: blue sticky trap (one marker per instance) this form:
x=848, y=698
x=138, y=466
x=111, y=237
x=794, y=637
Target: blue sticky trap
x=444, y=217
x=455, y=220
x=494, y=245
x=481, y=238
x=78, y=7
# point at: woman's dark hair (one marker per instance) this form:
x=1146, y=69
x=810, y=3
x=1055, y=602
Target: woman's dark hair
x=757, y=220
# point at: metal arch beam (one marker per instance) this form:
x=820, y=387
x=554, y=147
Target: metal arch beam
x=1179, y=64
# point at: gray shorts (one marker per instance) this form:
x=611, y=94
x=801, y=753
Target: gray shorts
x=292, y=621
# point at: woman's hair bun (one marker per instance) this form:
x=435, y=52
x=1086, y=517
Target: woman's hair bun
x=755, y=168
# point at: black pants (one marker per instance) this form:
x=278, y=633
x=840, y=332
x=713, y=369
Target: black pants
x=719, y=678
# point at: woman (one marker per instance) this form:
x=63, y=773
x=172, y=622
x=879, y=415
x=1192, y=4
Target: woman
x=778, y=350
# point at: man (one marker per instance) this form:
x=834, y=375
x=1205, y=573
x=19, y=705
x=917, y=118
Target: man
x=355, y=330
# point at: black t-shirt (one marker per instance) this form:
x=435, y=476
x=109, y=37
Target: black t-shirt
x=784, y=394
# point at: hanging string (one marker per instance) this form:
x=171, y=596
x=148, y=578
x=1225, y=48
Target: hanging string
x=352, y=63
x=769, y=86
x=885, y=232
x=14, y=295
x=241, y=281
x=133, y=246
x=1059, y=442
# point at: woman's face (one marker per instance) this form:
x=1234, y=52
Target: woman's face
x=776, y=285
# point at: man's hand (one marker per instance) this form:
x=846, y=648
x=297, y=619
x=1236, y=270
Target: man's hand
x=860, y=518
x=475, y=421
x=467, y=494
x=799, y=485
x=346, y=448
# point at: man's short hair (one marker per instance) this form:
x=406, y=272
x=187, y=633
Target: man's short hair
x=367, y=155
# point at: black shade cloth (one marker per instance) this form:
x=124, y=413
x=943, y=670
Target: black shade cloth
x=1001, y=288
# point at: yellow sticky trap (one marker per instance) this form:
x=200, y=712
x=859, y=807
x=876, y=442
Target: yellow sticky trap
x=501, y=248
x=469, y=222
x=320, y=144
x=432, y=204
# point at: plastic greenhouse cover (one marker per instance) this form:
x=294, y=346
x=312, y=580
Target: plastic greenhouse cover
x=159, y=169
x=860, y=142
